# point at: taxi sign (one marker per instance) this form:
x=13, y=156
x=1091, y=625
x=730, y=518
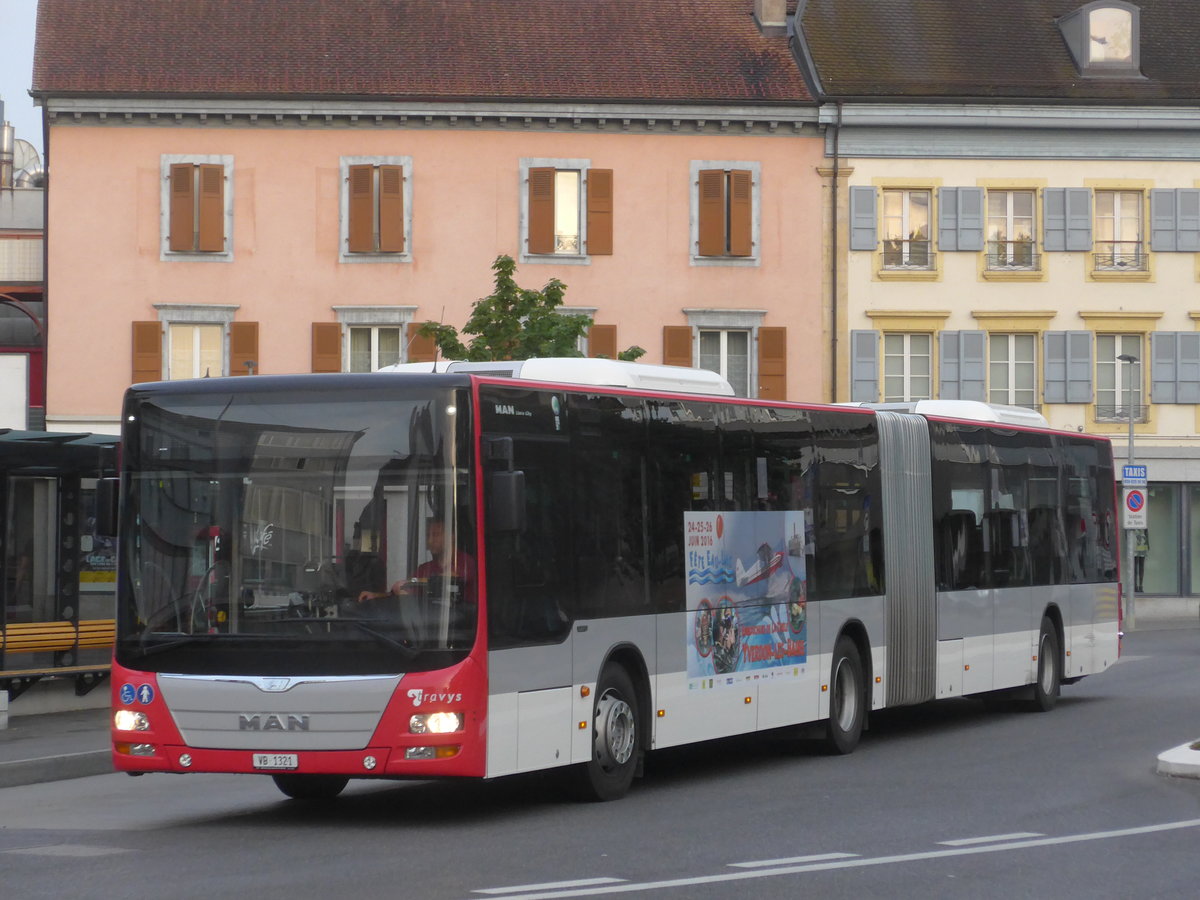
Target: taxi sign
x=1134, y=508
x=1133, y=476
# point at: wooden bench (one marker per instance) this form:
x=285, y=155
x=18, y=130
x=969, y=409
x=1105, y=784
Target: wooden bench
x=54, y=637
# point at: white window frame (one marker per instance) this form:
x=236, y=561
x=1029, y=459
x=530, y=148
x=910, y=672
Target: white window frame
x=165, y=253
x=582, y=258
x=1011, y=364
x=1108, y=366
x=374, y=317
x=1006, y=259
x=749, y=320
x=905, y=218
x=195, y=314
x=755, y=170
x=1118, y=216
x=907, y=374
x=378, y=256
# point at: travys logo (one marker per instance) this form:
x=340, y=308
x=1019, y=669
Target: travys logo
x=418, y=696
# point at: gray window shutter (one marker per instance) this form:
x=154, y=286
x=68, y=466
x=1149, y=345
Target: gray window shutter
x=1054, y=223
x=1068, y=367
x=1187, y=388
x=970, y=218
x=1079, y=218
x=1162, y=222
x=947, y=218
x=1162, y=363
x=949, y=364
x=1175, y=367
x=1187, y=220
x=972, y=369
x=862, y=218
x=864, y=366
x=1079, y=367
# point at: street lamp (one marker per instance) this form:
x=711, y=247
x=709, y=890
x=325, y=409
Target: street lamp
x=1127, y=569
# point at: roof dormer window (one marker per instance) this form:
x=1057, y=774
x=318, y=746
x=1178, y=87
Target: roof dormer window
x=1103, y=38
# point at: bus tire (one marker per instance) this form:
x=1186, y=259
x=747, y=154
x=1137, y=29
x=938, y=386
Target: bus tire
x=615, y=738
x=310, y=787
x=847, y=698
x=1049, y=671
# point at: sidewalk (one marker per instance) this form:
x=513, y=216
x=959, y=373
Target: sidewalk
x=57, y=745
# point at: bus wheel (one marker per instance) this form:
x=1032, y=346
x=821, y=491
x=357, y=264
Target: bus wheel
x=310, y=787
x=1046, y=688
x=846, y=698
x=614, y=738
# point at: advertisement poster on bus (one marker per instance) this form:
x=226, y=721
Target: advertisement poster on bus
x=746, y=596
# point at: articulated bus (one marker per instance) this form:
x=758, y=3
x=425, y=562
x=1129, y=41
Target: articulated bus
x=482, y=570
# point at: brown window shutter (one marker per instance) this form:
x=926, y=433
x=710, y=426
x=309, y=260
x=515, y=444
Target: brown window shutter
x=212, y=209
x=711, y=207
x=772, y=363
x=741, y=210
x=182, y=214
x=362, y=209
x=147, y=352
x=420, y=349
x=541, y=211
x=391, y=209
x=326, y=347
x=600, y=212
x=602, y=341
x=243, y=347
x=677, y=345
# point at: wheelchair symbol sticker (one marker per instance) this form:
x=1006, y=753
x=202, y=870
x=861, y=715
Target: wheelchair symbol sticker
x=127, y=693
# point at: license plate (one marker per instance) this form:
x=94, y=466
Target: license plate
x=276, y=760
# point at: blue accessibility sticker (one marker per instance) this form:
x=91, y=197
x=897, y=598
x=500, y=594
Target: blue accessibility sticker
x=127, y=693
x=145, y=694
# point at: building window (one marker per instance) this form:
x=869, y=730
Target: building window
x=906, y=230
x=1110, y=35
x=375, y=217
x=373, y=347
x=197, y=207
x=1118, y=244
x=728, y=354
x=195, y=351
x=907, y=367
x=1119, y=383
x=566, y=210
x=1012, y=364
x=1010, y=232
x=725, y=212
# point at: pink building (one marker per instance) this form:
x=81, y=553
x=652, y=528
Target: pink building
x=302, y=203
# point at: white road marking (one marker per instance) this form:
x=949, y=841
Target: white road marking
x=859, y=862
x=69, y=850
x=990, y=839
x=549, y=886
x=820, y=857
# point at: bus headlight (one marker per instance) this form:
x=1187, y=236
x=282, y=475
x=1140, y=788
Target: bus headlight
x=436, y=723
x=129, y=720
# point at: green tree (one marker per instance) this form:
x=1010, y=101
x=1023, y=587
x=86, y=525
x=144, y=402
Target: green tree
x=513, y=322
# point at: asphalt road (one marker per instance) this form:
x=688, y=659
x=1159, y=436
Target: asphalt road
x=946, y=800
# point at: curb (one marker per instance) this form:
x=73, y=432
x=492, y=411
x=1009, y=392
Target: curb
x=1182, y=761
x=55, y=768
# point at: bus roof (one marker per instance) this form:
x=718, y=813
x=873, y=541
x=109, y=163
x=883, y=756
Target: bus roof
x=585, y=370
x=974, y=410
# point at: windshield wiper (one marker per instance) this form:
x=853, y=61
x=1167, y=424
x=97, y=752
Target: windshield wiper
x=171, y=645
x=408, y=650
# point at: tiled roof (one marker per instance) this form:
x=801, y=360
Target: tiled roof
x=657, y=51
x=990, y=49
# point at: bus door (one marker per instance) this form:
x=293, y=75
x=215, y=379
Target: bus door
x=531, y=580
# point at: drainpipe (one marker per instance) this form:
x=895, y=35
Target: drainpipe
x=833, y=262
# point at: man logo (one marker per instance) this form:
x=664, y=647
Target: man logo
x=272, y=722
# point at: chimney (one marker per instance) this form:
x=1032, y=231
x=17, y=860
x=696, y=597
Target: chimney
x=771, y=17
x=7, y=135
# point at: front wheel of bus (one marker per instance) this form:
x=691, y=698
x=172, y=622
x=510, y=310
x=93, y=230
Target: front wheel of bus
x=846, y=698
x=310, y=787
x=614, y=738
x=1046, y=688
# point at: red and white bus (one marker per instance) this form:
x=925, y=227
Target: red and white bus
x=503, y=568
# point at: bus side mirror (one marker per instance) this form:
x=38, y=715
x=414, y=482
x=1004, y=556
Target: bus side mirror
x=506, y=505
x=108, y=492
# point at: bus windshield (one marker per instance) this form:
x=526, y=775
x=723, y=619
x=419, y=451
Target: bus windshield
x=272, y=529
